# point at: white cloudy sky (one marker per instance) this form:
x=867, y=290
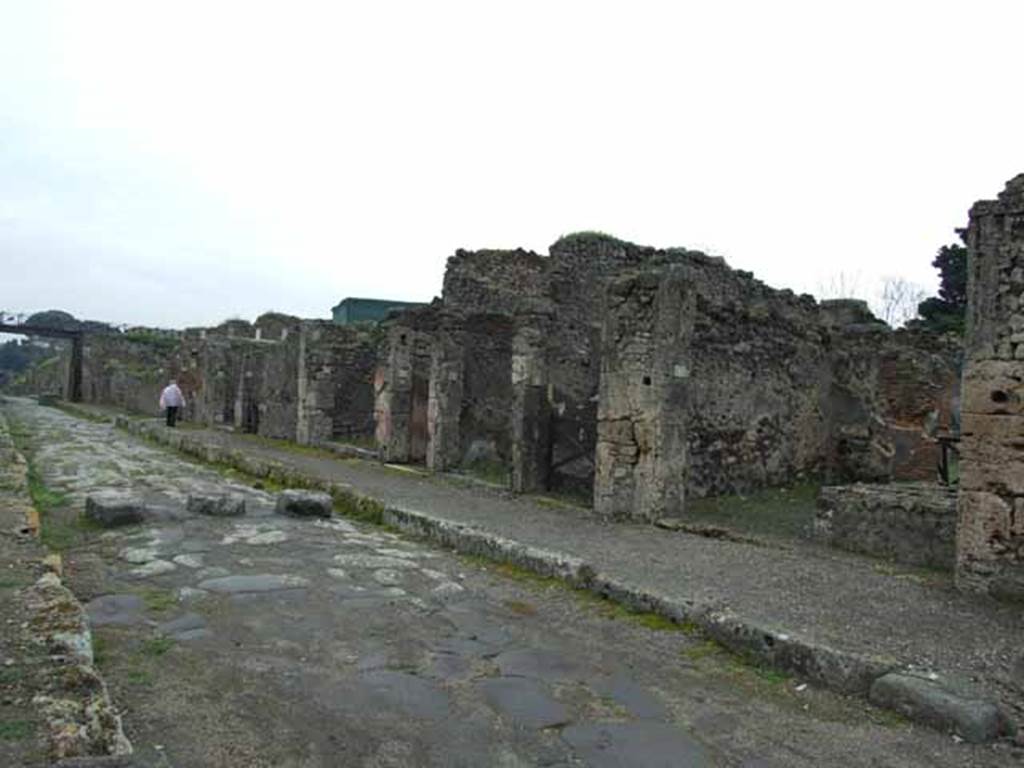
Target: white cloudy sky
x=179, y=163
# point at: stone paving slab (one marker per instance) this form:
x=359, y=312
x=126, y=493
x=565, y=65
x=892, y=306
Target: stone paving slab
x=838, y=619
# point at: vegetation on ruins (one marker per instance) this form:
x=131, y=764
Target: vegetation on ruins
x=589, y=236
x=946, y=312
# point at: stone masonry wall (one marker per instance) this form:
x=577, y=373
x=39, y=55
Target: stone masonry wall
x=401, y=384
x=578, y=273
x=641, y=455
x=910, y=523
x=990, y=531
x=335, y=382
x=493, y=281
x=710, y=385
x=889, y=393
x=759, y=360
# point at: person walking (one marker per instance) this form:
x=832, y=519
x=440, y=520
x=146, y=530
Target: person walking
x=171, y=400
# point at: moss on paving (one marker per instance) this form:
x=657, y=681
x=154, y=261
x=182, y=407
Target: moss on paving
x=16, y=730
x=158, y=600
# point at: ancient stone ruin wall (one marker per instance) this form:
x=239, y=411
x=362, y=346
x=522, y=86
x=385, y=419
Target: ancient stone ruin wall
x=401, y=384
x=759, y=359
x=710, y=385
x=753, y=387
x=336, y=367
x=888, y=395
x=129, y=370
x=226, y=384
x=990, y=531
x=493, y=281
x=910, y=523
x=485, y=410
x=309, y=381
x=641, y=454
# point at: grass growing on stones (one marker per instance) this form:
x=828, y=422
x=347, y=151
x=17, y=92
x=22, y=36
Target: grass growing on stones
x=494, y=472
x=357, y=507
x=158, y=600
x=16, y=730
x=156, y=646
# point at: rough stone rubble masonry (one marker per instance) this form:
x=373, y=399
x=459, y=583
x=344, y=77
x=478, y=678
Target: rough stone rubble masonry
x=990, y=531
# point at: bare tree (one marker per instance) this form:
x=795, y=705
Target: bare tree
x=897, y=301
x=841, y=285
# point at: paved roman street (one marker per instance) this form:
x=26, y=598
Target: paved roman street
x=266, y=640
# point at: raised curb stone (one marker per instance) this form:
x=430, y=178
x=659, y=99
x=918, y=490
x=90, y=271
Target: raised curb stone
x=222, y=505
x=298, y=503
x=931, y=702
x=114, y=509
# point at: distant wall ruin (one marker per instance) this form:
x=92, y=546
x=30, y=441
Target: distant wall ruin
x=630, y=376
x=304, y=380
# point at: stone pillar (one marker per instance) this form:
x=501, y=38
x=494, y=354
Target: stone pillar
x=531, y=408
x=302, y=434
x=990, y=529
x=393, y=397
x=641, y=428
x=444, y=408
x=75, y=370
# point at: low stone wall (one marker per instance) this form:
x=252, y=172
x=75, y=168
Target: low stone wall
x=911, y=523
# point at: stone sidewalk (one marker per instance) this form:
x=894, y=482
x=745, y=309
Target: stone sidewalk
x=906, y=640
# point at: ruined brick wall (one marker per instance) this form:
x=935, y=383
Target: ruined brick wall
x=130, y=370
x=990, y=530
x=711, y=382
x=493, y=281
x=759, y=360
x=335, y=381
x=401, y=384
x=763, y=388
x=889, y=394
x=485, y=426
x=578, y=272
x=279, y=393
x=226, y=384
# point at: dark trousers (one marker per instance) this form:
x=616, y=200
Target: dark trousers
x=172, y=415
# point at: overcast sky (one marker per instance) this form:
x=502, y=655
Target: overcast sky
x=179, y=163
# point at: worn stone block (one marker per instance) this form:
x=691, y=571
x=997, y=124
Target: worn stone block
x=300, y=503
x=941, y=705
x=112, y=509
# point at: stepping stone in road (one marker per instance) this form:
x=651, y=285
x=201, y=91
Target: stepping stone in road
x=110, y=509
x=297, y=503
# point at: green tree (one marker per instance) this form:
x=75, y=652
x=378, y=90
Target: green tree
x=947, y=311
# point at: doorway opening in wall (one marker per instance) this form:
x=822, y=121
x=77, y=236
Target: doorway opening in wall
x=250, y=415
